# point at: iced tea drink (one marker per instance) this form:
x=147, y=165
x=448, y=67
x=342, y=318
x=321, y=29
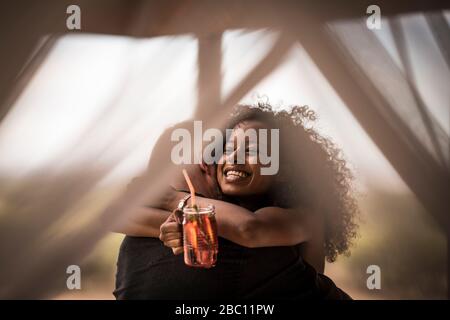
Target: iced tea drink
x=200, y=237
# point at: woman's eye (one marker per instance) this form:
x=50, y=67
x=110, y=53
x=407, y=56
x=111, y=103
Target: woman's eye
x=229, y=146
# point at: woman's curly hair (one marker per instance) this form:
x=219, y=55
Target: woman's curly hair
x=312, y=172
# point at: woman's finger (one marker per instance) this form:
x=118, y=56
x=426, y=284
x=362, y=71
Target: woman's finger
x=170, y=227
x=170, y=236
x=173, y=243
x=177, y=250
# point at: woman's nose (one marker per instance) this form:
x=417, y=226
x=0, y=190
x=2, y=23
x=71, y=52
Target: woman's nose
x=230, y=155
x=235, y=156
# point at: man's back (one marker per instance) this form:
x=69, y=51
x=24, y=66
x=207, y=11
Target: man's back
x=149, y=270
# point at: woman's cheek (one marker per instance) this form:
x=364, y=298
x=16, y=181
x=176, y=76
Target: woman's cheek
x=219, y=171
x=253, y=160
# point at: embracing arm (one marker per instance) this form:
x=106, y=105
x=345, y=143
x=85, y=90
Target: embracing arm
x=270, y=226
x=142, y=222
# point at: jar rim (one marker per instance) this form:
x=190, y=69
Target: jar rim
x=209, y=209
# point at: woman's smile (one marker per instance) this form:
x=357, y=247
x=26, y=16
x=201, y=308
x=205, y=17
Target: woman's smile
x=234, y=174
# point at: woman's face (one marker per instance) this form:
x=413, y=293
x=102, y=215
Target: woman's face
x=244, y=179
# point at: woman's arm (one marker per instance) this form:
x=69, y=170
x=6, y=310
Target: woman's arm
x=266, y=227
x=142, y=222
x=270, y=226
x=145, y=220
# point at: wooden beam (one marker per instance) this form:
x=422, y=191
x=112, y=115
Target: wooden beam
x=440, y=29
x=432, y=127
x=202, y=16
x=429, y=182
x=209, y=75
x=267, y=65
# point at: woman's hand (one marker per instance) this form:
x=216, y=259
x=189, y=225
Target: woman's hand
x=171, y=234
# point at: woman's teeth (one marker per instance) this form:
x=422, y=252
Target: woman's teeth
x=241, y=174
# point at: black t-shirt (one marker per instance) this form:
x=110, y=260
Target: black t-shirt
x=146, y=269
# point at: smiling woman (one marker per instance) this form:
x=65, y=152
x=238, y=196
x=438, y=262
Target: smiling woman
x=312, y=173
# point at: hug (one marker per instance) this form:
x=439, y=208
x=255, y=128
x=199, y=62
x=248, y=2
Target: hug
x=275, y=230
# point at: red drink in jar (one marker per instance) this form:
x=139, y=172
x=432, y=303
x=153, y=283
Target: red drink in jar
x=200, y=236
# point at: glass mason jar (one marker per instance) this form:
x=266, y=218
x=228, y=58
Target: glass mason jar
x=200, y=237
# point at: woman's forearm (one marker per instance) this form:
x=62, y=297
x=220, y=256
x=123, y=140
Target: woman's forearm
x=271, y=226
x=146, y=221
x=231, y=219
x=266, y=227
x=142, y=222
